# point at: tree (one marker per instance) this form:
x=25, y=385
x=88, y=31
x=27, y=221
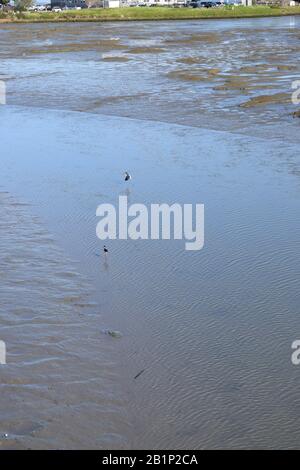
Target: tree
x=21, y=5
x=4, y=2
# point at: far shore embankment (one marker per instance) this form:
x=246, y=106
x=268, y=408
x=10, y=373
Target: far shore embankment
x=147, y=14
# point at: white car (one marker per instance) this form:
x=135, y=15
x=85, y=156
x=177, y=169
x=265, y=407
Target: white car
x=56, y=9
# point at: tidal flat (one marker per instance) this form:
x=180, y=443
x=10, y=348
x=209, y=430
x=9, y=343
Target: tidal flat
x=152, y=346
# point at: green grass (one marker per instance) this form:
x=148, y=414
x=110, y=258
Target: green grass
x=157, y=13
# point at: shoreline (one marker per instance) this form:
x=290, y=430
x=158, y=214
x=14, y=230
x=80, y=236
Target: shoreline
x=146, y=14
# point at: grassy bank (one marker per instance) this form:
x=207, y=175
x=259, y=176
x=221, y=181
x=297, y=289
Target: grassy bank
x=158, y=13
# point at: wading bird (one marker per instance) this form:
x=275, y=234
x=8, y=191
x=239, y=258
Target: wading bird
x=127, y=176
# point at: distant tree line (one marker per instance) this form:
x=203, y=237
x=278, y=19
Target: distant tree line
x=22, y=4
x=18, y=4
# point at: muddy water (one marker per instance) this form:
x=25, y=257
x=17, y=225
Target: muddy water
x=59, y=372
x=197, y=73
x=211, y=330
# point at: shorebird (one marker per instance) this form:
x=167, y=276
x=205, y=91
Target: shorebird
x=127, y=176
x=105, y=250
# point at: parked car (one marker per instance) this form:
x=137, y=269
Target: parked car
x=180, y=4
x=207, y=4
x=56, y=9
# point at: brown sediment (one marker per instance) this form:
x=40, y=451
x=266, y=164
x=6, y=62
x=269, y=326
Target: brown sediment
x=210, y=38
x=287, y=67
x=116, y=59
x=213, y=71
x=105, y=45
x=146, y=50
x=199, y=74
x=278, y=58
x=276, y=98
x=259, y=86
x=234, y=83
x=191, y=60
x=262, y=68
x=231, y=87
x=112, y=99
x=183, y=75
x=255, y=68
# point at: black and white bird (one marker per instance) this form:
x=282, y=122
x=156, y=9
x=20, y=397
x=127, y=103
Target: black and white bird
x=127, y=176
x=105, y=250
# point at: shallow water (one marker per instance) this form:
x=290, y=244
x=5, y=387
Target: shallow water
x=60, y=374
x=197, y=73
x=212, y=330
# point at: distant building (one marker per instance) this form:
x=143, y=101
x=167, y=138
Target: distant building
x=112, y=3
x=85, y=3
x=167, y=3
x=68, y=3
x=161, y=3
x=292, y=3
